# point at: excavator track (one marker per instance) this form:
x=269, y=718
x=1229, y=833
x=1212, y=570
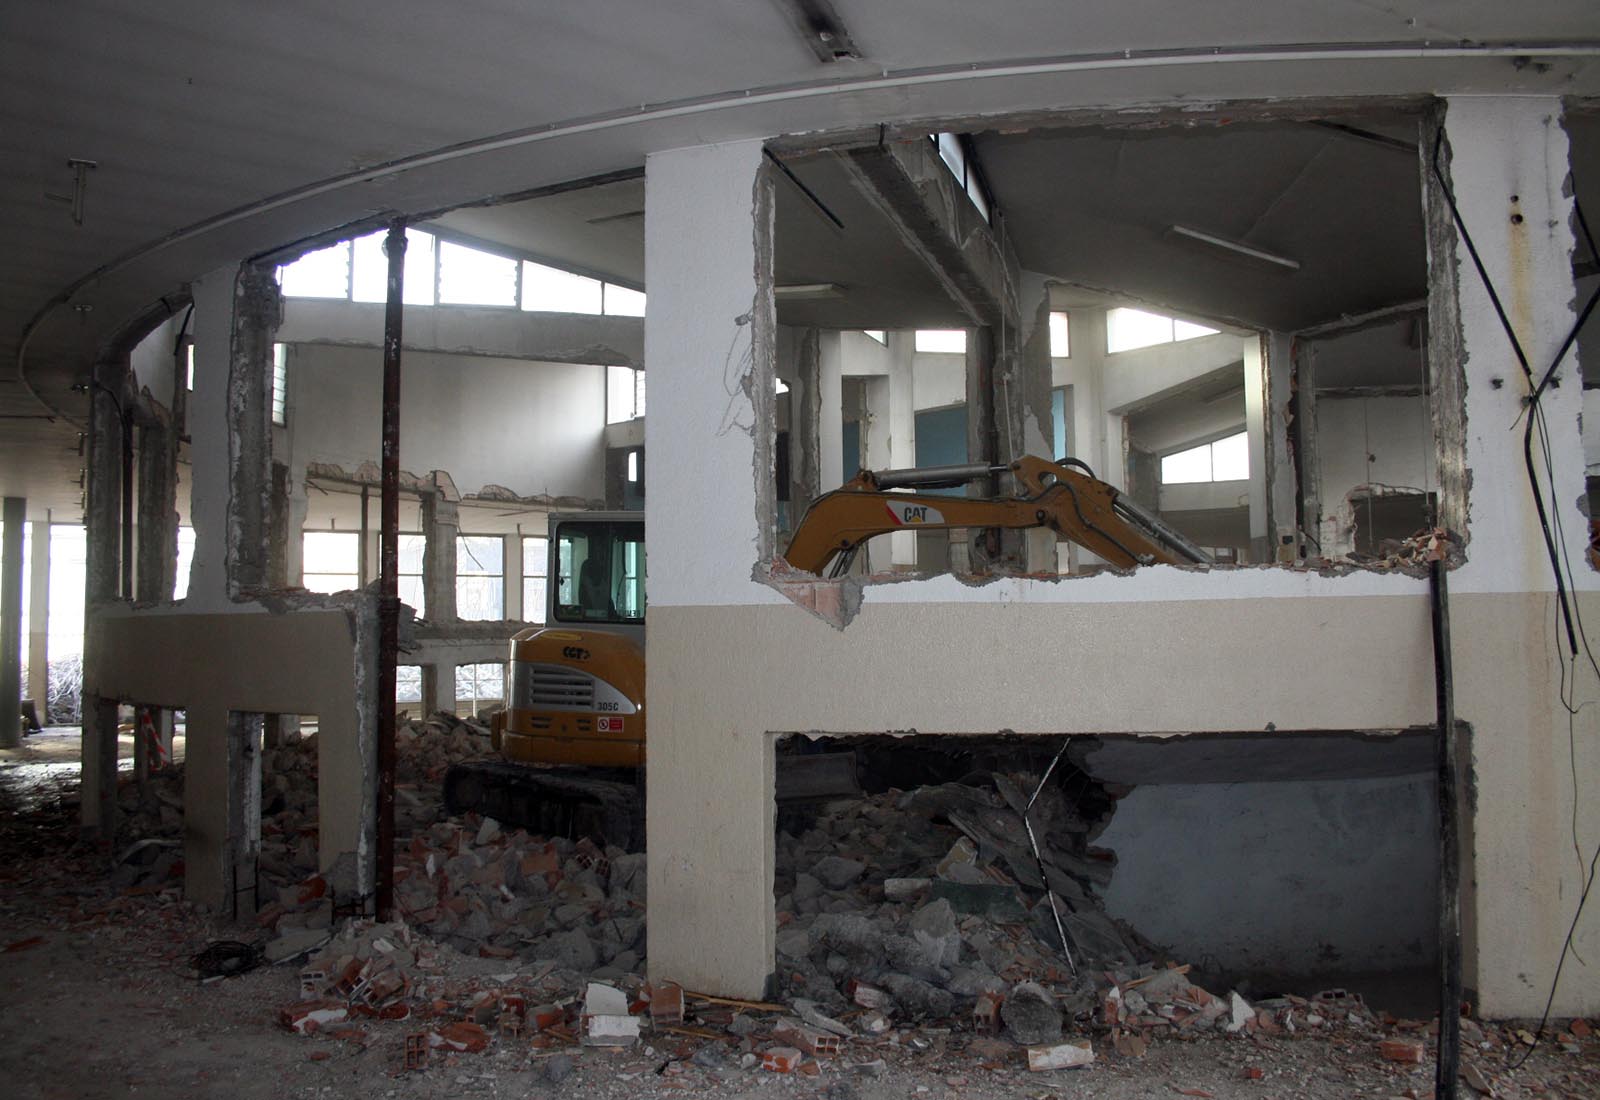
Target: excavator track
x=551, y=801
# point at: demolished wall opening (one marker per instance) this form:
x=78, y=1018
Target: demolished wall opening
x=1101, y=221
x=1272, y=864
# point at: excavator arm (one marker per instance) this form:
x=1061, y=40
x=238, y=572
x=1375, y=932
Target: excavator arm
x=1068, y=500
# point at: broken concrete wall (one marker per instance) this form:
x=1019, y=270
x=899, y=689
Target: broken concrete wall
x=1163, y=651
x=305, y=661
x=1281, y=879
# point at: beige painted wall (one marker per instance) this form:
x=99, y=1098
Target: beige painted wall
x=300, y=662
x=722, y=680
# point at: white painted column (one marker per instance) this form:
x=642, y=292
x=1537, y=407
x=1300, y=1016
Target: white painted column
x=511, y=564
x=902, y=430
x=830, y=409
x=1253, y=350
x=708, y=338
x=1508, y=170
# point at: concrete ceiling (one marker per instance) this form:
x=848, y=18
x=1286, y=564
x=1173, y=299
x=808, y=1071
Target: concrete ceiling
x=1097, y=206
x=222, y=131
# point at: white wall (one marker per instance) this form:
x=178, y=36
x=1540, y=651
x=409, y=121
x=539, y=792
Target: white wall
x=534, y=428
x=940, y=379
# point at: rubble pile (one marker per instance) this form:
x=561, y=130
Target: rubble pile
x=424, y=751
x=944, y=900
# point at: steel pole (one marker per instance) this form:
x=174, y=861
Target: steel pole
x=1449, y=1059
x=389, y=567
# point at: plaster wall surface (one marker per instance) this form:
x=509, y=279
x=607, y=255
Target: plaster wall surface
x=152, y=363
x=471, y=330
x=1373, y=441
x=534, y=428
x=941, y=379
x=301, y=662
x=1282, y=878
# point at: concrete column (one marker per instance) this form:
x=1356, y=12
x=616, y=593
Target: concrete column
x=157, y=563
x=1025, y=396
x=1282, y=523
x=257, y=310
x=102, y=519
x=902, y=430
x=39, y=620
x=243, y=851
x=13, y=516
x=1507, y=163
x=710, y=825
x=209, y=485
x=441, y=523
x=294, y=559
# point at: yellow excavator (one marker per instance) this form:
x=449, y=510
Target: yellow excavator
x=572, y=733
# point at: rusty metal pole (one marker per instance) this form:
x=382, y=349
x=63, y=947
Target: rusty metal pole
x=1448, y=1064
x=389, y=567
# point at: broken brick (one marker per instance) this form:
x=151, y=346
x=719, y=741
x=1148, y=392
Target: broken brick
x=666, y=1003
x=867, y=996
x=461, y=1036
x=308, y=1017
x=416, y=1056
x=986, y=1014
x=1401, y=1050
x=809, y=1039
x=780, y=1059
x=1580, y=1028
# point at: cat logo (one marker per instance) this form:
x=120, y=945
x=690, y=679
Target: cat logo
x=575, y=653
x=914, y=515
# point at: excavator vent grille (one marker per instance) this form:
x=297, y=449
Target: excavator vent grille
x=555, y=686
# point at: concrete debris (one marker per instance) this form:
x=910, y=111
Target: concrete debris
x=1031, y=1014
x=1072, y=1055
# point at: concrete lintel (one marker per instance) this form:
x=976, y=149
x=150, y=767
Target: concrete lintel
x=912, y=187
x=472, y=330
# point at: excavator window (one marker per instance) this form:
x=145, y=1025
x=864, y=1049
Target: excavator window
x=600, y=572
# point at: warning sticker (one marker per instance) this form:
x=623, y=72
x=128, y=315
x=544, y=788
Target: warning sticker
x=608, y=725
x=910, y=515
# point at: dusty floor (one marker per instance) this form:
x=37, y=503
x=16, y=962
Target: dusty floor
x=100, y=1001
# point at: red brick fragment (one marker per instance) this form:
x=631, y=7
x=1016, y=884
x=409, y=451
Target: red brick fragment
x=780, y=1059
x=1580, y=1028
x=666, y=1003
x=1401, y=1050
x=463, y=1036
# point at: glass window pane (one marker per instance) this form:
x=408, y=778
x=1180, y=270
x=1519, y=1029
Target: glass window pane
x=329, y=552
x=602, y=572
x=324, y=273
x=411, y=594
x=408, y=684
x=411, y=548
x=369, y=275
x=1127, y=329
x=479, y=684
x=950, y=152
x=535, y=590
x=470, y=277
x=480, y=598
x=535, y=555
x=180, y=588
x=480, y=556
x=555, y=291
x=942, y=340
x=1187, y=467
x=877, y=334
x=1060, y=344
x=1188, y=330
x=621, y=395
x=622, y=302
x=280, y=384
x=638, y=393
x=1230, y=458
